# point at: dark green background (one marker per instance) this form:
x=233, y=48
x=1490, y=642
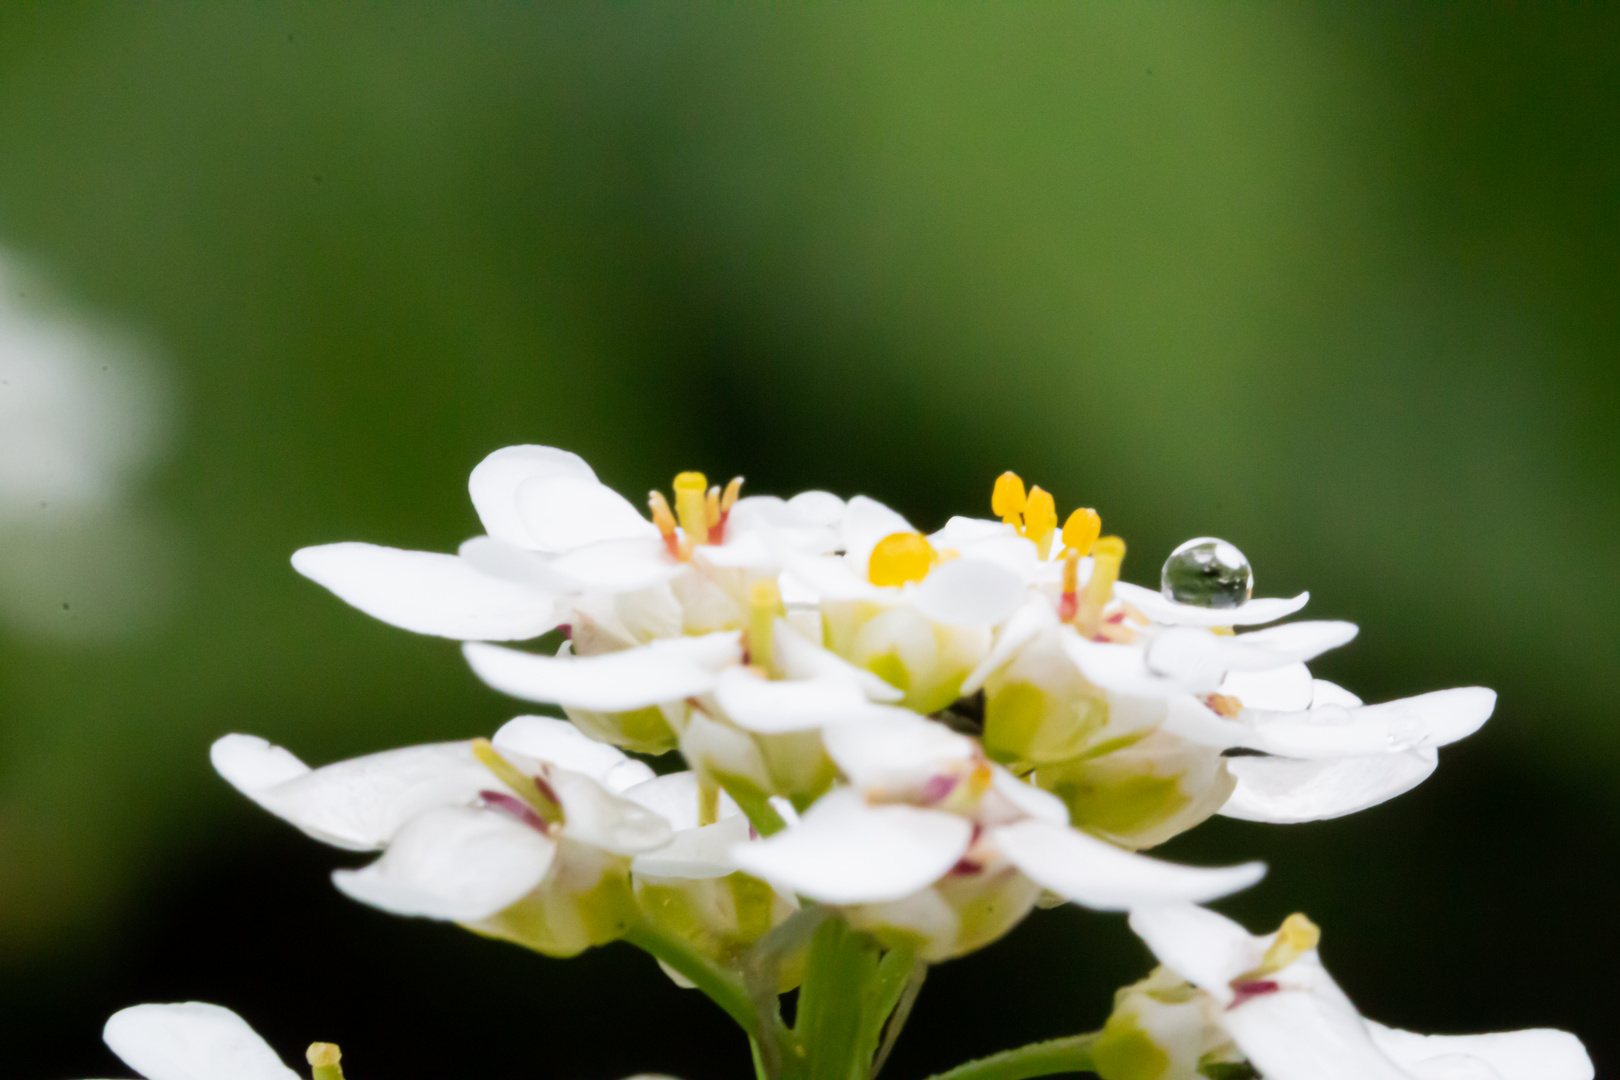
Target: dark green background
x=1341, y=286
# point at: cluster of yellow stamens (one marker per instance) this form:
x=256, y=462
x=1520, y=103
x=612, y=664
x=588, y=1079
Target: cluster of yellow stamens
x=1034, y=515
x=700, y=509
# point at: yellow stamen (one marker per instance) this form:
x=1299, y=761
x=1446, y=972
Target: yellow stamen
x=1224, y=705
x=1069, y=603
x=729, y=499
x=691, y=506
x=1106, y=555
x=323, y=1058
x=764, y=608
x=1297, y=936
x=980, y=779
x=711, y=507
x=1008, y=498
x=899, y=558
x=660, y=513
x=524, y=787
x=1081, y=531
x=1040, y=520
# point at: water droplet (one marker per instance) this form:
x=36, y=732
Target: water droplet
x=1207, y=572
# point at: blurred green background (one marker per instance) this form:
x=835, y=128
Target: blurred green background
x=1340, y=285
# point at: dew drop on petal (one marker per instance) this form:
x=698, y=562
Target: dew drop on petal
x=1207, y=572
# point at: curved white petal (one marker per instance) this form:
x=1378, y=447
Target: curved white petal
x=1306, y=1034
x=818, y=508
x=703, y=852
x=961, y=530
x=562, y=512
x=595, y=816
x=611, y=682
x=1536, y=1054
x=546, y=738
x=773, y=707
x=1426, y=720
x=846, y=852
x=1202, y=946
x=1327, y=693
x=1119, y=668
x=429, y=593
x=357, y=804
x=618, y=566
x=968, y=592
x=1033, y=616
x=896, y=750
x=455, y=863
x=1161, y=610
x=1099, y=875
x=191, y=1041
x=830, y=577
x=506, y=561
x=674, y=797
x=1027, y=799
x=1288, y=790
x=494, y=484
x=1284, y=689
x=1198, y=659
x=800, y=658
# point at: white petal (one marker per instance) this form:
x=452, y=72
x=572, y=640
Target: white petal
x=1326, y=693
x=191, y=1041
x=1198, y=659
x=829, y=577
x=896, y=750
x=494, y=484
x=618, y=566
x=1030, y=619
x=674, y=797
x=545, y=738
x=1285, y=688
x=562, y=512
x=773, y=707
x=506, y=561
x=965, y=530
x=1305, y=1035
x=1099, y=875
x=594, y=816
x=800, y=658
x=1161, y=610
x=697, y=853
x=818, y=507
x=1288, y=791
x=968, y=592
x=1120, y=668
x=1537, y=1054
x=866, y=522
x=1202, y=946
x=612, y=682
x=845, y=852
x=1426, y=720
x=453, y=863
x=429, y=593
x=743, y=549
x=1028, y=799
x=358, y=804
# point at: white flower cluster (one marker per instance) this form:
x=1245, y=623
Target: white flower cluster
x=893, y=742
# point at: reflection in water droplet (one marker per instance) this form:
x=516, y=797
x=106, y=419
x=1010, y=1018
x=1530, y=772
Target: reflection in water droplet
x=1208, y=573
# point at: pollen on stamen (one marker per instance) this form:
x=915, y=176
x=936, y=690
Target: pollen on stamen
x=900, y=558
x=1040, y=520
x=1081, y=531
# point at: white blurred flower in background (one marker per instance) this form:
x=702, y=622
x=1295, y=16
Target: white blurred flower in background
x=84, y=416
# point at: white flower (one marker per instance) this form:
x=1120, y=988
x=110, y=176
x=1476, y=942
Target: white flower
x=556, y=534
x=459, y=841
x=1268, y=1000
x=925, y=817
x=192, y=1041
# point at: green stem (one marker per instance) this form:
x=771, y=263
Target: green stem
x=1071, y=1054
x=828, y=1043
x=721, y=988
x=900, y=980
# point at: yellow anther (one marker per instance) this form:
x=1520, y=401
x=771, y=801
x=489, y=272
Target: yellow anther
x=1081, y=531
x=1106, y=555
x=764, y=608
x=1040, y=520
x=729, y=499
x=524, y=787
x=899, y=558
x=1297, y=936
x=980, y=779
x=1007, y=500
x=711, y=507
x=691, y=506
x=323, y=1058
